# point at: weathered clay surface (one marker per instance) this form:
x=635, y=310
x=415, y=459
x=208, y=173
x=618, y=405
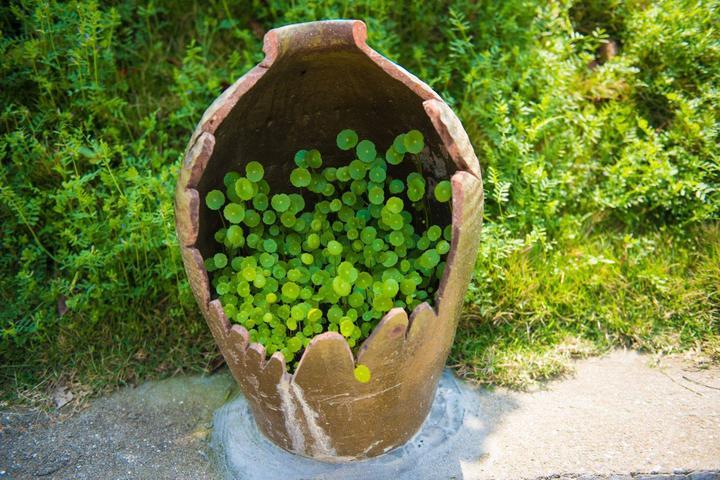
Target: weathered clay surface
x=316, y=78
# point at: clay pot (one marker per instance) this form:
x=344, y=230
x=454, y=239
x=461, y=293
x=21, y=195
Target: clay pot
x=316, y=79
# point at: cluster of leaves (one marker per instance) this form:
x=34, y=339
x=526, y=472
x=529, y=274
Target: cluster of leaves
x=89, y=149
x=97, y=104
x=288, y=272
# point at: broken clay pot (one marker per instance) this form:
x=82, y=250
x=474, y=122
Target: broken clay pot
x=317, y=78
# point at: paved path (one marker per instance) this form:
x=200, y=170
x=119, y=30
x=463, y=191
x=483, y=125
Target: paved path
x=615, y=415
x=156, y=431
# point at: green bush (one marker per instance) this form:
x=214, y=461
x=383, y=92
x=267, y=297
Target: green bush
x=98, y=102
x=95, y=119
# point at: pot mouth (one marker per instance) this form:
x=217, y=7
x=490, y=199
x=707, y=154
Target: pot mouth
x=290, y=101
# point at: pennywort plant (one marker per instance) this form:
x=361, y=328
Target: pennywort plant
x=350, y=243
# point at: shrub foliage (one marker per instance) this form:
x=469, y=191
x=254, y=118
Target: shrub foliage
x=99, y=100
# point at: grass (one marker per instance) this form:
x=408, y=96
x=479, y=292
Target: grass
x=602, y=176
x=542, y=309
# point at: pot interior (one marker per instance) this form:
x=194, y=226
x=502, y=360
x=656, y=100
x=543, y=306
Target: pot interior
x=303, y=101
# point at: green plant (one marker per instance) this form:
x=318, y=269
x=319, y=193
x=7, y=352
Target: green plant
x=578, y=150
x=360, y=257
x=91, y=129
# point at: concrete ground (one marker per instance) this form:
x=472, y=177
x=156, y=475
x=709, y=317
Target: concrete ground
x=618, y=416
x=156, y=431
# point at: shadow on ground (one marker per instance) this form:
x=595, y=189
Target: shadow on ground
x=156, y=431
x=161, y=430
x=452, y=435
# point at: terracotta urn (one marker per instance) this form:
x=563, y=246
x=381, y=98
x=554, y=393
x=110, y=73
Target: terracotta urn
x=317, y=78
